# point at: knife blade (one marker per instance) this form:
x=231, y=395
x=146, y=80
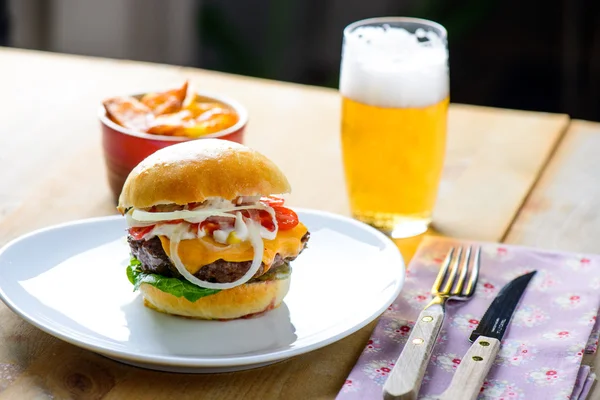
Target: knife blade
x=497, y=317
x=476, y=363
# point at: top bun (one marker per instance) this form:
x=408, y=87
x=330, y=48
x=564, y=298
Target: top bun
x=196, y=170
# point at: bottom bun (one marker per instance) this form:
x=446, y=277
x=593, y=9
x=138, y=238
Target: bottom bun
x=240, y=301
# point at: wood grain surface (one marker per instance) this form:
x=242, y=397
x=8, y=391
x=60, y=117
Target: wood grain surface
x=53, y=171
x=471, y=372
x=404, y=382
x=562, y=212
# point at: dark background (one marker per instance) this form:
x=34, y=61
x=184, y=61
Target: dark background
x=531, y=55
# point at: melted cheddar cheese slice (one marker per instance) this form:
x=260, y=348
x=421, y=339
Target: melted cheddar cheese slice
x=195, y=253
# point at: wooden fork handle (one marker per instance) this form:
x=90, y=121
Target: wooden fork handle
x=405, y=379
x=472, y=370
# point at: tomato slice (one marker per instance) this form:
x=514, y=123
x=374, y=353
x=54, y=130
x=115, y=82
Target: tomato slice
x=138, y=233
x=174, y=221
x=286, y=218
x=266, y=220
x=209, y=226
x=273, y=201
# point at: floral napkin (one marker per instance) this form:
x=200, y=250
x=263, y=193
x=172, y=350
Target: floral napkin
x=541, y=352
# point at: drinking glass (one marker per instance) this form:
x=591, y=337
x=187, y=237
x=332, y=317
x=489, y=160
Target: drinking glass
x=394, y=85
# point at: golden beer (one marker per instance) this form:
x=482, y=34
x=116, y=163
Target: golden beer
x=393, y=172
x=393, y=128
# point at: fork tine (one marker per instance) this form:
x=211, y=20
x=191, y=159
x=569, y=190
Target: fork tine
x=452, y=275
x=442, y=273
x=464, y=268
x=474, y=273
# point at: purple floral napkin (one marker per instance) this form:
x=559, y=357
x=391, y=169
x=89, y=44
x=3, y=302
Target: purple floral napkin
x=542, y=349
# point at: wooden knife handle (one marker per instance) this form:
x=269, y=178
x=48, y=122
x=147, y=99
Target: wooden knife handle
x=474, y=367
x=405, y=379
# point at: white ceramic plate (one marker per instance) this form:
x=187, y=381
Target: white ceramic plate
x=70, y=281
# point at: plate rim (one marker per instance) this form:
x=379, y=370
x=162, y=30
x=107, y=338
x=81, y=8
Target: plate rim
x=205, y=362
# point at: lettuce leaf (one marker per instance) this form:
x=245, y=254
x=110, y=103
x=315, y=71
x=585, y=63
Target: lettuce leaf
x=282, y=272
x=174, y=286
x=182, y=288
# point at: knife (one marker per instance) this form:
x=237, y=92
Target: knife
x=475, y=365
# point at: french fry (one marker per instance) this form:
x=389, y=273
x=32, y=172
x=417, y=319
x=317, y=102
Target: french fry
x=128, y=112
x=214, y=120
x=198, y=108
x=177, y=112
x=171, y=124
x=167, y=102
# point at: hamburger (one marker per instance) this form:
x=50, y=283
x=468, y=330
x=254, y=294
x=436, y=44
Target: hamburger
x=209, y=233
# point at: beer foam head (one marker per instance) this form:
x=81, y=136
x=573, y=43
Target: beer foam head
x=391, y=67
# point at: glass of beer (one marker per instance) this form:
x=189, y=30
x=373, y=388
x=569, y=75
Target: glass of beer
x=395, y=91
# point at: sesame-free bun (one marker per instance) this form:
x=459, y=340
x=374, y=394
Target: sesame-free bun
x=240, y=301
x=195, y=170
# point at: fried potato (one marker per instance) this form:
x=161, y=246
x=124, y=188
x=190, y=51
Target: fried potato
x=211, y=121
x=171, y=124
x=128, y=112
x=167, y=102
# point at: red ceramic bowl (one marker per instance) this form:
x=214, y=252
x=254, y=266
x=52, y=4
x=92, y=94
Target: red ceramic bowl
x=125, y=148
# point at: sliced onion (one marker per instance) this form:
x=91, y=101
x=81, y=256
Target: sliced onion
x=220, y=235
x=145, y=216
x=169, y=229
x=264, y=232
x=253, y=213
x=247, y=199
x=136, y=224
x=257, y=244
x=192, y=215
x=240, y=228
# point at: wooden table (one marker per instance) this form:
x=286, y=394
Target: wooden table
x=513, y=176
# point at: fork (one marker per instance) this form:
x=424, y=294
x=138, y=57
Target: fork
x=405, y=379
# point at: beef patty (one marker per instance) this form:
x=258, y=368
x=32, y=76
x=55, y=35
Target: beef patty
x=154, y=260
